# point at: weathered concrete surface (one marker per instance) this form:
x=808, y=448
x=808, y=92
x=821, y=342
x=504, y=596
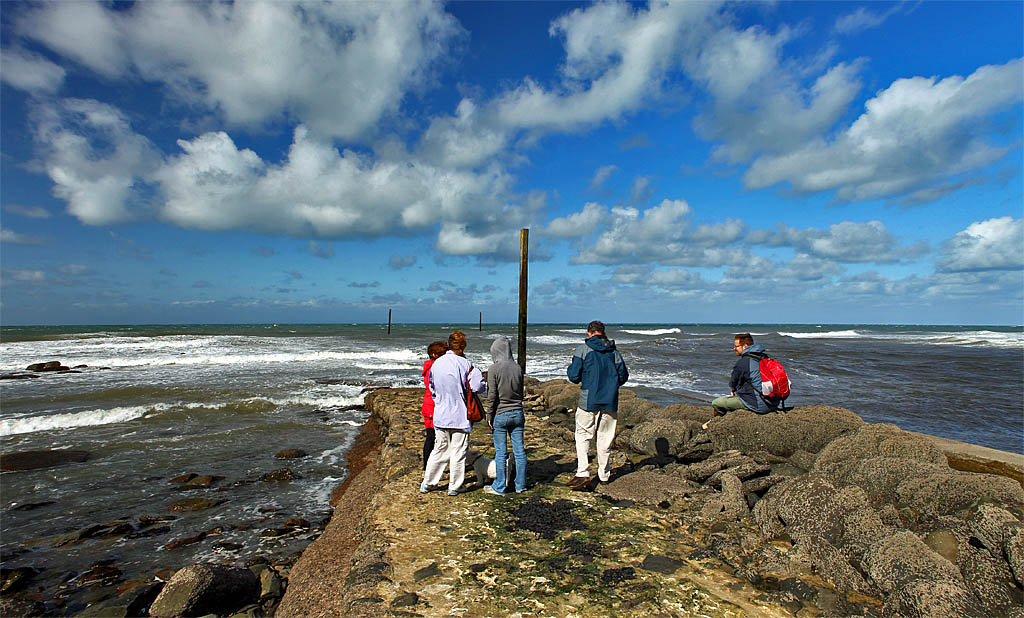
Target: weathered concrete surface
x=974, y=458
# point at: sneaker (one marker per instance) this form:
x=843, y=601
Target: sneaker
x=577, y=482
x=490, y=490
x=460, y=490
x=424, y=488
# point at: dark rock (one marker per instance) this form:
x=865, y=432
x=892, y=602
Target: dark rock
x=933, y=599
x=661, y=564
x=184, y=541
x=798, y=588
x=32, y=460
x=30, y=506
x=615, y=576
x=148, y=532
x=547, y=518
x=17, y=376
x=701, y=471
x=428, y=571
x=290, y=453
x=22, y=608
x=283, y=474
x=557, y=418
x=102, y=574
x=743, y=471
x=194, y=504
x=405, y=600
x=762, y=484
x=807, y=428
x=202, y=589
x=47, y=366
x=12, y=580
x=226, y=546
x=149, y=520
x=901, y=558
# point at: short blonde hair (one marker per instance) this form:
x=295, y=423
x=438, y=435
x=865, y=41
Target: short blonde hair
x=457, y=342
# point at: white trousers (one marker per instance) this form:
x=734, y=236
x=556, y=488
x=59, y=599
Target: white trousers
x=603, y=422
x=449, y=449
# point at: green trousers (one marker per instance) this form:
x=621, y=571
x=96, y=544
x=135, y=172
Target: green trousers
x=723, y=405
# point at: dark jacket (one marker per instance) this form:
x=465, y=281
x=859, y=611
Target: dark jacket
x=599, y=370
x=504, y=380
x=746, y=380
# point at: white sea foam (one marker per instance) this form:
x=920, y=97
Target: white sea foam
x=657, y=331
x=831, y=334
x=554, y=340
x=70, y=420
x=975, y=338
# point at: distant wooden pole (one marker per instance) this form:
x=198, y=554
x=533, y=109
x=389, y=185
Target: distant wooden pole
x=481, y=328
x=524, y=262
x=389, y=321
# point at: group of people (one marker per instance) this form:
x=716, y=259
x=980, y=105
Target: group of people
x=450, y=380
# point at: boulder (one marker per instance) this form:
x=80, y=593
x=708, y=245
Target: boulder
x=687, y=412
x=650, y=487
x=862, y=525
x=831, y=563
x=201, y=589
x=290, y=453
x=743, y=471
x=901, y=558
x=1013, y=547
x=807, y=504
x=733, y=502
x=945, y=493
x=933, y=599
x=989, y=578
x=194, y=504
x=32, y=460
x=881, y=440
x=634, y=411
x=659, y=437
x=807, y=428
x=879, y=476
x=567, y=396
x=988, y=524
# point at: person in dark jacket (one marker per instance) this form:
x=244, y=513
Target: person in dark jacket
x=745, y=382
x=598, y=368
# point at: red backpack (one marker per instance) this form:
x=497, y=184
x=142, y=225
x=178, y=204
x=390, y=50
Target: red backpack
x=774, y=381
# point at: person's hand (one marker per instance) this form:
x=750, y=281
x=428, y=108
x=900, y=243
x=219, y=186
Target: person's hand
x=732, y=393
x=491, y=425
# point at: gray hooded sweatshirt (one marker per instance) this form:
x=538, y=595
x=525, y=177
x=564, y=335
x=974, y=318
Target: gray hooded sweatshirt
x=504, y=380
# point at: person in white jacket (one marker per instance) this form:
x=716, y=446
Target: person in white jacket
x=448, y=379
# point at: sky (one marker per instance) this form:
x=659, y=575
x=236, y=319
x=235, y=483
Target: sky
x=250, y=162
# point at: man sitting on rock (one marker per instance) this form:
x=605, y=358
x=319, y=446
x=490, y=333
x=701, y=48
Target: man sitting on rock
x=745, y=382
x=599, y=370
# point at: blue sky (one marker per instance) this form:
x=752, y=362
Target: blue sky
x=686, y=162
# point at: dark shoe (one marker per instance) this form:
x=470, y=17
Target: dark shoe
x=578, y=482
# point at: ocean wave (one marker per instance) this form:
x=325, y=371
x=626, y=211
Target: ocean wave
x=829, y=334
x=657, y=331
x=554, y=340
x=71, y=420
x=976, y=338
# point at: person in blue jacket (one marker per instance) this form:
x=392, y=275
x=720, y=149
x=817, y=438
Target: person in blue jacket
x=599, y=370
x=745, y=381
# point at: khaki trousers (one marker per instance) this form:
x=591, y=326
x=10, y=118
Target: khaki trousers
x=601, y=422
x=449, y=449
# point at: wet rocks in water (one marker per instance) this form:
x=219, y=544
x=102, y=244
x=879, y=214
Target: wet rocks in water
x=12, y=580
x=184, y=541
x=100, y=574
x=202, y=589
x=32, y=460
x=194, y=504
x=290, y=453
x=546, y=518
x=47, y=366
x=283, y=474
x=661, y=564
x=195, y=481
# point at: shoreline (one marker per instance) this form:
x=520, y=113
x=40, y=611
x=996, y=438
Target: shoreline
x=398, y=552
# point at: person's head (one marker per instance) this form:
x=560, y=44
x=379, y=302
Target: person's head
x=457, y=342
x=595, y=328
x=741, y=342
x=437, y=349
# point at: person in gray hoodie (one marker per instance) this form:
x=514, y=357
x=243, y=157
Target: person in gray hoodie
x=505, y=416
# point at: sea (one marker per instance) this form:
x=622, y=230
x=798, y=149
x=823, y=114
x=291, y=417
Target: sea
x=150, y=403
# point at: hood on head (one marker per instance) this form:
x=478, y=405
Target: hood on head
x=501, y=350
x=755, y=349
x=598, y=343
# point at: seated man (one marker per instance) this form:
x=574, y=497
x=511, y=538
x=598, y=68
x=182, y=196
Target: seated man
x=745, y=382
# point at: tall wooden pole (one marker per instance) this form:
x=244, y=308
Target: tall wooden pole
x=524, y=261
x=389, y=321
x=481, y=327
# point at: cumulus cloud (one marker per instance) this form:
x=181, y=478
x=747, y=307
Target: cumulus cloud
x=635, y=236
x=95, y=160
x=847, y=241
x=398, y=262
x=577, y=224
x=642, y=190
x=915, y=134
x=993, y=244
x=225, y=58
x=31, y=72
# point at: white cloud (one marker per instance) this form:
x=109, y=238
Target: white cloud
x=632, y=236
x=602, y=174
x=337, y=67
x=917, y=133
x=21, y=275
x=847, y=241
x=94, y=159
x=993, y=244
x=74, y=270
x=13, y=237
x=863, y=19
x=34, y=212
x=577, y=224
x=30, y=72
x=641, y=191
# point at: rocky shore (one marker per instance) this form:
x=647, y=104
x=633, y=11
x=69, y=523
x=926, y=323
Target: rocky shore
x=806, y=513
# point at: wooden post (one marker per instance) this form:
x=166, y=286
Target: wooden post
x=481, y=328
x=389, y=321
x=524, y=261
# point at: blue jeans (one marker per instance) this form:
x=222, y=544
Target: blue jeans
x=507, y=424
